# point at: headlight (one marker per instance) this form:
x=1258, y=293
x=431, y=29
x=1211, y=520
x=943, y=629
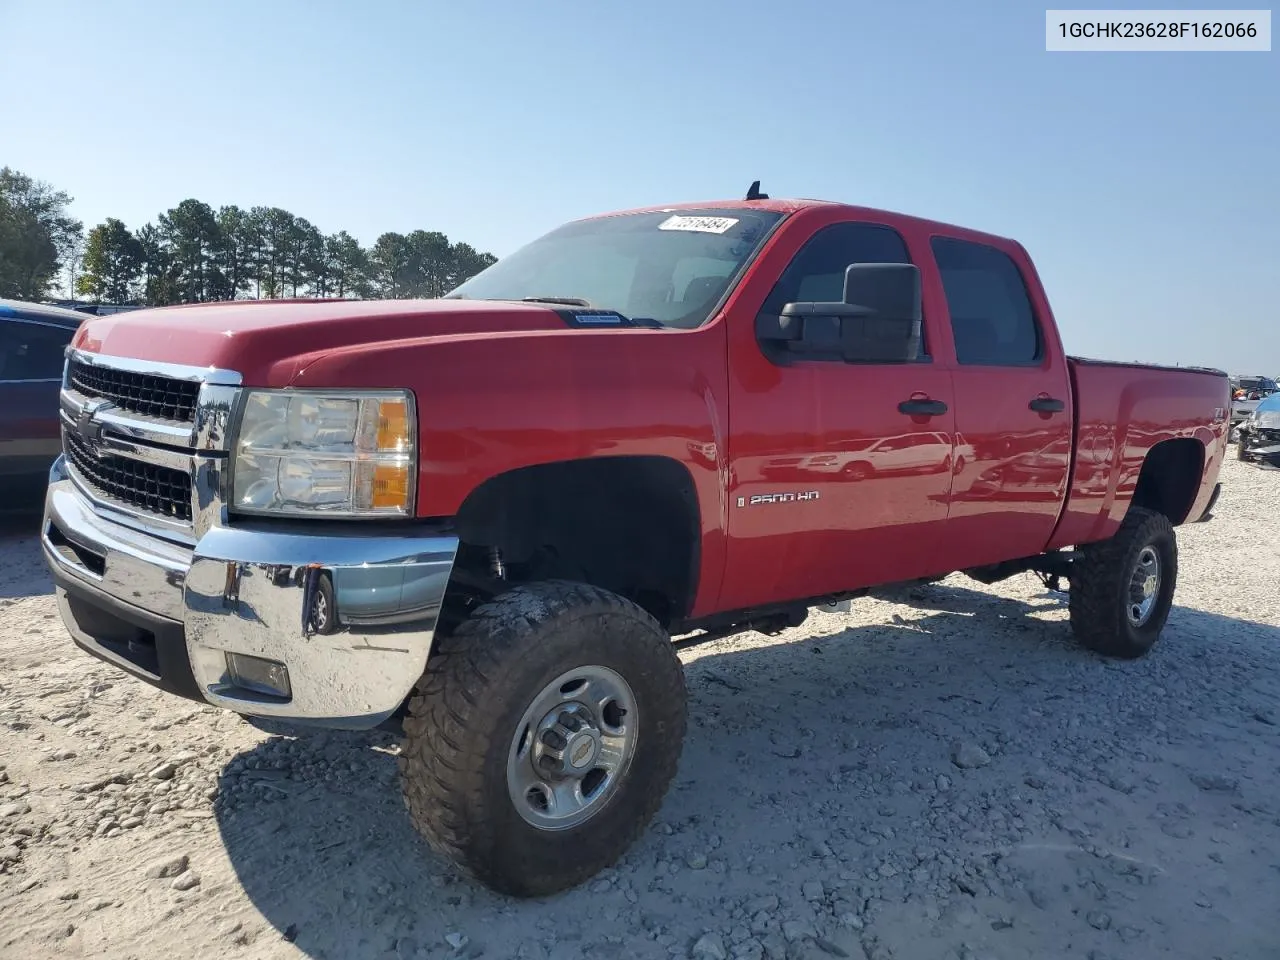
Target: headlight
x=305, y=453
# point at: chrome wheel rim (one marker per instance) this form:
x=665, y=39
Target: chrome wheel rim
x=572, y=747
x=1144, y=586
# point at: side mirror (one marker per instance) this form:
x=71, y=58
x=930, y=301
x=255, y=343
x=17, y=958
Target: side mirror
x=891, y=330
x=879, y=320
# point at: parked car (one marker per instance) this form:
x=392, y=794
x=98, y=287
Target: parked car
x=1258, y=438
x=1246, y=394
x=489, y=513
x=106, y=309
x=33, y=338
x=95, y=309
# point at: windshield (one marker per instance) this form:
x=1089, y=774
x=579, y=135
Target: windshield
x=668, y=266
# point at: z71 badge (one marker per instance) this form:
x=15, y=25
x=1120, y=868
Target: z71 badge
x=760, y=498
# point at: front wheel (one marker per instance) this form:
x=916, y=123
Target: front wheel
x=543, y=736
x=1122, y=588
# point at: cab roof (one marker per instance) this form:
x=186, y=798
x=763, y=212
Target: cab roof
x=788, y=206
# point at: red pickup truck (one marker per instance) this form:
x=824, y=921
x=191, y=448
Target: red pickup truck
x=486, y=515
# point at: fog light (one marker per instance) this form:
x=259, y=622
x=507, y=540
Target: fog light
x=268, y=677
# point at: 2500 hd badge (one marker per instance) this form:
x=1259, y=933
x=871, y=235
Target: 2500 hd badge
x=760, y=498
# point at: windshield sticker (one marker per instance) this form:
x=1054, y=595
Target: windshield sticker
x=697, y=224
x=591, y=317
x=612, y=318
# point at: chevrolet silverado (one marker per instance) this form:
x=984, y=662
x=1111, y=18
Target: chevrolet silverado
x=484, y=517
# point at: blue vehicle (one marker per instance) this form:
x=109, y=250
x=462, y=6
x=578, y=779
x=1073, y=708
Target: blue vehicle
x=33, y=338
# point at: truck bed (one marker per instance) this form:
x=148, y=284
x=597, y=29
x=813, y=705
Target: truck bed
x=1130, y=364
x=1123, y=410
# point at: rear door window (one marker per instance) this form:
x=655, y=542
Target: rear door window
x=992, y=320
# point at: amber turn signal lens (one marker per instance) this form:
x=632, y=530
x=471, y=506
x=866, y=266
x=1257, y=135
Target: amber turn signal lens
x=390, y=485
x=393, y=426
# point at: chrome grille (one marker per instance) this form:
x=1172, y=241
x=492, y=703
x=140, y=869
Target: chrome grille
x=159, y=490
x=147, y=441
x=143, y=393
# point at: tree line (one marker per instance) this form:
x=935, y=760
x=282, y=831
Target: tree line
x=193, y=253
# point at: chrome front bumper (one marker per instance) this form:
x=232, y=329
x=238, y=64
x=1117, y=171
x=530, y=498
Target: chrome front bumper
x=350, y=611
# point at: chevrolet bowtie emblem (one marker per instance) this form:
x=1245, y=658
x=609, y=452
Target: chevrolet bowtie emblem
x=87, y=424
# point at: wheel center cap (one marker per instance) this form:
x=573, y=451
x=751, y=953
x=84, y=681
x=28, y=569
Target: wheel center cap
x=1149, y=586
x=582, y=751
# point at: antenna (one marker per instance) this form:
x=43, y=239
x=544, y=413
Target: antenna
x=753, y=192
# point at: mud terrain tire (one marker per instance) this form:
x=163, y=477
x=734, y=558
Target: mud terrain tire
x=461, y=735
x=1109, y=611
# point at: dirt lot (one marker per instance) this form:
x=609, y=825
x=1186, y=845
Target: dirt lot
x=946, y=777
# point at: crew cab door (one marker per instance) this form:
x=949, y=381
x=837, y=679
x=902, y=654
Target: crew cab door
x=839, y=472
x=1013, y=403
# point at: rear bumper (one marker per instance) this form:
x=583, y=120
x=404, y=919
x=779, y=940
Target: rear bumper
x=346, y=615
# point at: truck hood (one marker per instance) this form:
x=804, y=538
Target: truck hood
x=268, y=342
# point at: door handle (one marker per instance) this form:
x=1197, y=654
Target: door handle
x=1047, y=405
x=922, y=408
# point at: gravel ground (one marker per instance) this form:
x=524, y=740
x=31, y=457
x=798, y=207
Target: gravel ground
x=938, y=775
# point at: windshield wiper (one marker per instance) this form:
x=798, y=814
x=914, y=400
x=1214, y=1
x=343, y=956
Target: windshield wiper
x=567, y=301
x=588, y=305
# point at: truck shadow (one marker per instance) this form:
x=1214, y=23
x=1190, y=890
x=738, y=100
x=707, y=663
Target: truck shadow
x=849, y=720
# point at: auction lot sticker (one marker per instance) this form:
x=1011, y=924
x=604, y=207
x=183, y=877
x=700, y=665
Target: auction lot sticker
x=697, y=224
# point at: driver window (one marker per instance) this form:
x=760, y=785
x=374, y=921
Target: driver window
x=816, y=273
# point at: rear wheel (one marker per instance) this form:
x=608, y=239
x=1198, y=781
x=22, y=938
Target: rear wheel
x=543, y=736
x=1122, y=588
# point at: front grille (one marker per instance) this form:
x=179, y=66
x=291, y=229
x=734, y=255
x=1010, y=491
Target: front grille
x=160, y=490
x=144, y=393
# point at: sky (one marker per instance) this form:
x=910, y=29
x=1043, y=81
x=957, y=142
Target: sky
x=1146, y=186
